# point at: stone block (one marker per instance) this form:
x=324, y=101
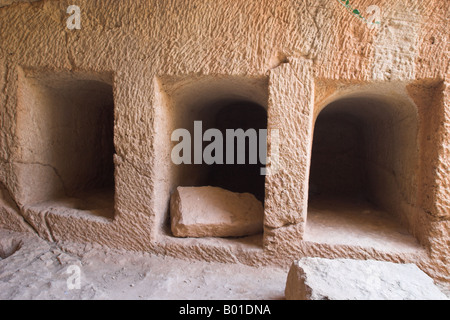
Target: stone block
x=345, y=279
x=214, y=212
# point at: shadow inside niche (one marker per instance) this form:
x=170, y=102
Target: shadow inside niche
x=245, y=177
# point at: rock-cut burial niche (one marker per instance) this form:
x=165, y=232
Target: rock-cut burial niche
x=226, y=105
x=363, y=177
x=66, y=134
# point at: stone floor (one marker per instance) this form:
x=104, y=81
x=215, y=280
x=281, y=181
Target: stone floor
x=349, y=221
x=31, y=268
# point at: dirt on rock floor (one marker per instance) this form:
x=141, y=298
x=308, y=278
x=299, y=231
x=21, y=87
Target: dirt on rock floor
x=33, y=269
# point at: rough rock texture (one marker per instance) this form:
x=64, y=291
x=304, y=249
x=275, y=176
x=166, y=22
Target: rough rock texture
x=165, y=58
x=4, y=3
x=37, y=270
x=344, y=279
x=214, y=212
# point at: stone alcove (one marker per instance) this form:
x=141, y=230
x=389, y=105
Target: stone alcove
x=219, y=102
x=364, y=175
x=66, y=138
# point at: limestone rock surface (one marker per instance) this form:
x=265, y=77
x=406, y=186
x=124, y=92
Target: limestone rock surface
x=346, y=279
x=214, y=212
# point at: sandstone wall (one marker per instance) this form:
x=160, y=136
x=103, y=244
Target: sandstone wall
x=154, y=59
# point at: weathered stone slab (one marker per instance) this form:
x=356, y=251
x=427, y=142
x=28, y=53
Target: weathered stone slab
x=214, y=212
x=345, y=279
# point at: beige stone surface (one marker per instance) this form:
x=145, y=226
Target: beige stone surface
x=181, y=100
x=214, y=212
x=345, y=279
x=33, y=269
x=159, y=59
x=4, y=3
x=10, y=213
x=351, y=221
